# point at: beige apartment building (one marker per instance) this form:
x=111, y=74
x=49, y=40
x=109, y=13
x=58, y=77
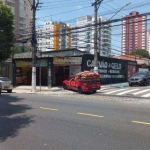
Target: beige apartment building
x=23, y=17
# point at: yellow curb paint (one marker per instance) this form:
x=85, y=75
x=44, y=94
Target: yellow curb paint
x=145, y=123
x=85, y=114
x=49, y=108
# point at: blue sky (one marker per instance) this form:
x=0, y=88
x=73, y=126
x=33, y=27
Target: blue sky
x=68, y=10
x=62, y=10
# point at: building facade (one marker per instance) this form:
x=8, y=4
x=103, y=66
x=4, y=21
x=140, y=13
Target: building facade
x=134, y=32
x=148, y=41
x=54, y=36
x=22, y=17
x=83, y=35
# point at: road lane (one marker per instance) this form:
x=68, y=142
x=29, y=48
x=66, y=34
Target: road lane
x=49, y=108
x=67, y=130
x=93, y=115
x=139, y=122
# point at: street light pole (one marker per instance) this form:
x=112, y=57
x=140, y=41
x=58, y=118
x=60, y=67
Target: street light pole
x=96, y=5
x=34, y=42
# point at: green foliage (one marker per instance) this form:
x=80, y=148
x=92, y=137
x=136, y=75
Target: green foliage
x=141, y=52
x=6, y=32
x=144, y=66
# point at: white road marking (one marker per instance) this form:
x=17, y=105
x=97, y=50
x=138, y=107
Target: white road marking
x=107, y=90
x=85, y=114
x=127, y=91
x=146, y=95
x=139, y=92
x=115, y=91
x=145, y=123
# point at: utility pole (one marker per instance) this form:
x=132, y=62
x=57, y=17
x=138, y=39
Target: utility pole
x=34, y=7
x=96, y=5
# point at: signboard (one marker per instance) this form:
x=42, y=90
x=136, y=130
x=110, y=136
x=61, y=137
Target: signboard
x=67, y=60
x=22, y=63
x=112, y=70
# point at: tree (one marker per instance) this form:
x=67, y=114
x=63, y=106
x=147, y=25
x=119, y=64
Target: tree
x=6, y=31
x=141, y=52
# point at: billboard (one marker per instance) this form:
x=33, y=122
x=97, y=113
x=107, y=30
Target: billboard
x=112, y=70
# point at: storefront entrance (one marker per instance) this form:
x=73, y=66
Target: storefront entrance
x=61, y=73
x=64, y=67
x=23, y=73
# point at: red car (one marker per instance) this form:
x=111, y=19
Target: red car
x=73, y=84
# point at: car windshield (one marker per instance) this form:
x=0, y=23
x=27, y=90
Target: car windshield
x=140, y=74
x=4, y=79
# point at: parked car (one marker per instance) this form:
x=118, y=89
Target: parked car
x=6, y=84
x=140, y=78
x=74, y=83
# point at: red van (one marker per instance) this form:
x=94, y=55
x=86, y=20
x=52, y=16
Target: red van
x=86, y=85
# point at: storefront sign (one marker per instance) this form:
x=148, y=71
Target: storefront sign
x=112, y=70
x=23, y=63
x=67, y=60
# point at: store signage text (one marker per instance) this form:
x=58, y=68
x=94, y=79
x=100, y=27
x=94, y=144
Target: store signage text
x=105, y=65
x=67, y=60
x=23, y=63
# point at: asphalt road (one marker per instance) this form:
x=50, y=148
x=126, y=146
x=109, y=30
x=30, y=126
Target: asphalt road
x=40, y=122
x=134, y=91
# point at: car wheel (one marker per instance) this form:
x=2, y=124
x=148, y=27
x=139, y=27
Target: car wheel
x=94, y=91
x=9, y=91
x=130, y=84
x=65, y=87
x=0, y=92
x=145, y=82
x=80, y=90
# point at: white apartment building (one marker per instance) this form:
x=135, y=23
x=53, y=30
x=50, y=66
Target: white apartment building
x=53, y=36
x=148, y=41
x=41, y=39
x=83, y=35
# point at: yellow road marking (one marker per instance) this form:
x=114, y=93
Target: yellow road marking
x=48, y=108
x=146, y=123
x=90, y=115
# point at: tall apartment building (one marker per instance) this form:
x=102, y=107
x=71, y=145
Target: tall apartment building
x=134, y=33
x=83, y=38
x=22, y=16
x=148, y=41
x=54, y=36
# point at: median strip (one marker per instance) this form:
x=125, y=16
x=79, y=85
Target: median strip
x=49, y=108
x=145, y=123
x=85, y=114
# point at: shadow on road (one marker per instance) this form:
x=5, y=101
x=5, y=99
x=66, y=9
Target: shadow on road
x=10, y=118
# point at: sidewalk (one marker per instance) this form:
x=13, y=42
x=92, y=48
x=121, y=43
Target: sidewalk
x=59, y=89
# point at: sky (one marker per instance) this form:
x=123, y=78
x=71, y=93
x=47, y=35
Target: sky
x=68, y=10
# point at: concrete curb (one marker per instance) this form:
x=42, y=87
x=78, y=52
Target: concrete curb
x=60, y=90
